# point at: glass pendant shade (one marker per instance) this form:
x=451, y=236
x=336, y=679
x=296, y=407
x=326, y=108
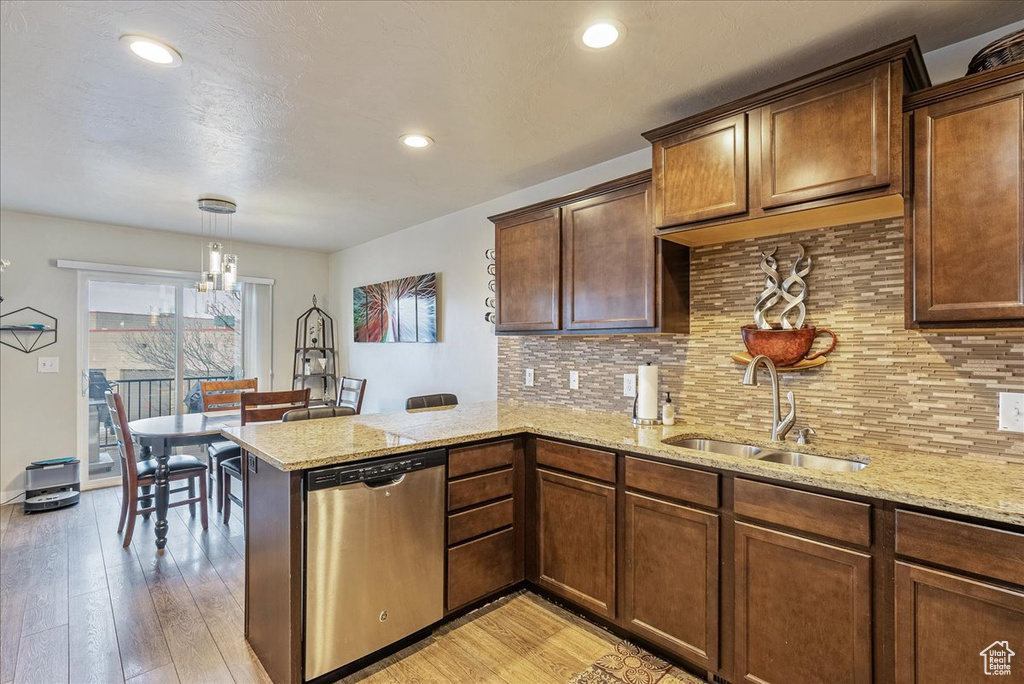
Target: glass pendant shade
x=218, y=269
x=214, y=251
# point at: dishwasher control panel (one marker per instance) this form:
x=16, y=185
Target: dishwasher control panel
x=343, y=475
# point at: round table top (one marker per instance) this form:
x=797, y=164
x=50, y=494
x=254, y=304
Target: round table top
x=184, y=425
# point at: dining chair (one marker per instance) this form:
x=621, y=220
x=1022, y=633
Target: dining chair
x=430, y=401
x=222, y=395
x=314, y=412
x=257, y=407
x=136, y=474
x=350, y=393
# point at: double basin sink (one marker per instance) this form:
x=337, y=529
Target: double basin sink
x=769, y=454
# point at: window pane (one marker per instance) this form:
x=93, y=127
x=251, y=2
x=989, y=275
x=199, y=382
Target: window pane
x=211, y=340
x=131, y=352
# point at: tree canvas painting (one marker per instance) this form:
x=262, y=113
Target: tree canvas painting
x=403, y=310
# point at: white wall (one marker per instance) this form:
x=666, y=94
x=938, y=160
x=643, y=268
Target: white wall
x=465, y=360
x=38, y=412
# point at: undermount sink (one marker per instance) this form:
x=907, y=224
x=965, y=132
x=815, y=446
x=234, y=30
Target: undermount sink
x=766, y=454
x=727, y=448
x=792, y=458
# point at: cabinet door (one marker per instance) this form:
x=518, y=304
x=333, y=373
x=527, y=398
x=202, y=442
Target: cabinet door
x=608, y=254
x=944, y=622
x=967, y=221
x=528, y=258
x=671, y=577
x=803, y=610
x=576, y=540
x=826, y=141
x=701, y=174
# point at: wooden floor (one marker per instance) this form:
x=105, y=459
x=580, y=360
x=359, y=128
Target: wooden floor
x=75, y=607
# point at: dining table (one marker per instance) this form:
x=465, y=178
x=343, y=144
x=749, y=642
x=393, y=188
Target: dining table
x=160, y=435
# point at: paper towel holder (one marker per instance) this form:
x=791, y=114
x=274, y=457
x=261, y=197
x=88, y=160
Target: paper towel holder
x=643, y=422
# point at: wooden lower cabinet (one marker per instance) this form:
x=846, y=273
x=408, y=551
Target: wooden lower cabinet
x=803, y=610
x=481, y=567
x=576, y=540
x=671, y=577
x=944, y=622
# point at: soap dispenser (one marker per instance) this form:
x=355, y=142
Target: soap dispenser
x=668, y=411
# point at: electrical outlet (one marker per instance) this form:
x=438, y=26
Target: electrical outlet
x=1011, y=411
x=48, y=364
x=629, y=384
x=528, y=378
x=574, y=380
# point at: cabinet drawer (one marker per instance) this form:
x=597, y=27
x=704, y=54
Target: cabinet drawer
x=684, y=484
x=480, y=567
x=598, y=465
x=478, y=489
x=477, y=521
x=848, y=521
x=474, y=459
x=972, y=548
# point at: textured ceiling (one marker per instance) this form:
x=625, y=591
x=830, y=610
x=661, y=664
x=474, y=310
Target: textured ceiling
x=294, y=109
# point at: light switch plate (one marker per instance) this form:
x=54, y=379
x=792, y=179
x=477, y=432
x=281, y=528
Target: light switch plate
x=1011, y=411
x=48, y=364
x=629, y=384
x=528, y=378
x=574, y=380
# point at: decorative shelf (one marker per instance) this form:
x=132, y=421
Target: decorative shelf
x=314, y=348
x=745, y=358
x=28, y=329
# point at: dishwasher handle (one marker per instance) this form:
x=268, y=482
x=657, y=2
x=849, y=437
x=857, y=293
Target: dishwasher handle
x=384, y=482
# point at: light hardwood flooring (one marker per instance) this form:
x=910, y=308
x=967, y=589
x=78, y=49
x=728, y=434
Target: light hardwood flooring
x=75, y=607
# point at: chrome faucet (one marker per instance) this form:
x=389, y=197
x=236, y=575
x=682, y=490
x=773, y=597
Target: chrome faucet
x=779, y=427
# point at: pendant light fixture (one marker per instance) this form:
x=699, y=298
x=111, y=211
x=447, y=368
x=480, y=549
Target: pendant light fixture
x=218, y=268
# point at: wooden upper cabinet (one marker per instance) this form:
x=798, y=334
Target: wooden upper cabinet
x=529, y=270
x=701, y=174
x=827, y=141
x=965, y=227
x=803, y=610
x=589, y=261
x=609, y=261
x=821, y=150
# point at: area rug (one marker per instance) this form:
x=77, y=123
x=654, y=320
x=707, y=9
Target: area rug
x=628, y=664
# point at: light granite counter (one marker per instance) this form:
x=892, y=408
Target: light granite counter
x=974, y=487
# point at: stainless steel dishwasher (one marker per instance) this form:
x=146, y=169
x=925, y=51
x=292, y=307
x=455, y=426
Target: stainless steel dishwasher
x=374, y=556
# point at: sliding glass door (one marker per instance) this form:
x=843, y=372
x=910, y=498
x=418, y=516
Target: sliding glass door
x=152, y=341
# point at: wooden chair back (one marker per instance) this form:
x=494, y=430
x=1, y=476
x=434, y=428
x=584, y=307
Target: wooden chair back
x=350, y=393
x=223, y=395
x=261, y=407
x=431, y=401
x=125, y=447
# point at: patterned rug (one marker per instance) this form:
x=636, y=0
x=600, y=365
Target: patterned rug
x=628, y=664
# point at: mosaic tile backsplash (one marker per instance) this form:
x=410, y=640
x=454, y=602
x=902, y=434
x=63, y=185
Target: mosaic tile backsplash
x=883, y=386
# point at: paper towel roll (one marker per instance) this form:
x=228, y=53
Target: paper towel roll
x=647, y=392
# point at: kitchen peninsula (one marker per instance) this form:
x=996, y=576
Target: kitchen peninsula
x=606, y=518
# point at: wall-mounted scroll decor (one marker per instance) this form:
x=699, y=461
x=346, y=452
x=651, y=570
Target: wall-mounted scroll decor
x=489, y=301
x=402, y=310
x=28, y=330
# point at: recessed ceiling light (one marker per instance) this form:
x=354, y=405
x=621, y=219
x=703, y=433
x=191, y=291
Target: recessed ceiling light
x=417, y=140
x=153, y=51
x=602, y=34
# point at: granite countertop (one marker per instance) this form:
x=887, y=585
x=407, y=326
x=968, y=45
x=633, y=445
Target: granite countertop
x=988, y=490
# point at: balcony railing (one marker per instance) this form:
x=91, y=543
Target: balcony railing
x=149, y=397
